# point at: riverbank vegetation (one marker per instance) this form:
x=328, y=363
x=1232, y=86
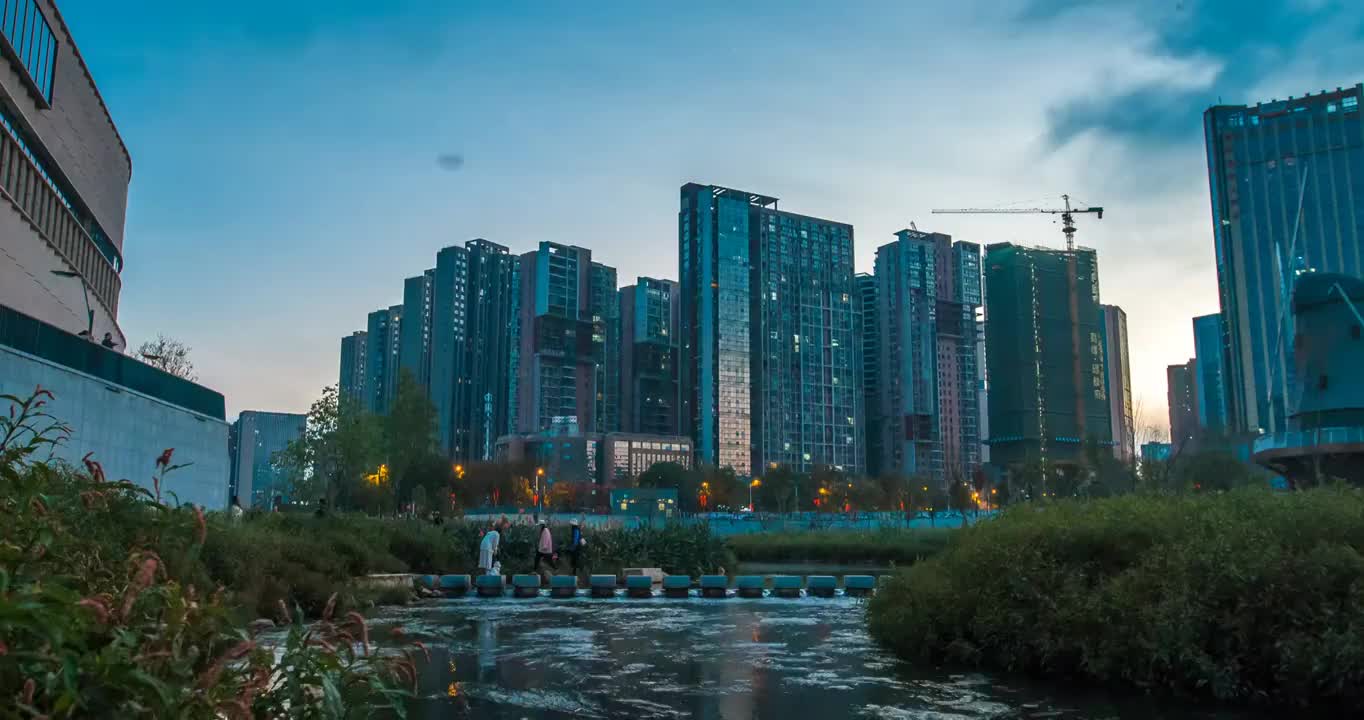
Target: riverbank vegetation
x=1247, y=595
x=107, y=607
x=899, y=547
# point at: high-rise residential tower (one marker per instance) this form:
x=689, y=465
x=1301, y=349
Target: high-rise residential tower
x=414, y=345
x=563, y=332
x=604, y=312
x=870, y=327
x=473, y=339
x=1211, y=384
x=771, y=348
x=649, y=317
x=354, y=358
x=378, y=352
x=1044, y=348
x=928, y=292
x=1118, y=383
x=1284, y=178
x=1182, y=395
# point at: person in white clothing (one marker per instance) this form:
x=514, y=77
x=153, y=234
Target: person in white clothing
x=487, y=551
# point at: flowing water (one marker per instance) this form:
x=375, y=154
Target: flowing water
x=804, y=659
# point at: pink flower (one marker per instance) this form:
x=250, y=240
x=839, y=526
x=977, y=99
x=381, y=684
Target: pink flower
x=100, y=609
x=165, y=457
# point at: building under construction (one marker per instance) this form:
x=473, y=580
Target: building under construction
x=1044, y=354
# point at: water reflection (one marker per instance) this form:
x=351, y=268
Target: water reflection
x=797, y=660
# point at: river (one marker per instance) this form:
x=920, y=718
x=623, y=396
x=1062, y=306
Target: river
x=804, y=659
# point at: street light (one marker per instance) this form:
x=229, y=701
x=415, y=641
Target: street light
x=757, y=482
x=85, y=290
x=539, y=473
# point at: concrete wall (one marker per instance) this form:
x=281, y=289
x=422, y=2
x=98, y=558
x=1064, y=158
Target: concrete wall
x=126, y=430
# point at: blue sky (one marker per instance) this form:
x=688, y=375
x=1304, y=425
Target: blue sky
x=284, y=153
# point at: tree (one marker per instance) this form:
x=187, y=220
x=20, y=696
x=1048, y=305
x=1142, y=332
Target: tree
x=339, y=448
x=170, y=355
x=409, y=432
x=779, y=488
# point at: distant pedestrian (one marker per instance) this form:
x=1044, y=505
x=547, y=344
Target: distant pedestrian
x=487, y=551
x=577, y=545
x=544, y=553
x=235, y=511
x=108, y=341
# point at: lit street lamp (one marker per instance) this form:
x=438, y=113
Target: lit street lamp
x=540, y=499
x=757, y=482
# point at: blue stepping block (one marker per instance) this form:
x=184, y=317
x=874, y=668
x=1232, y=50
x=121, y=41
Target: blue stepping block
x=821, y=585
x=639, y=586
x=489, y=585
x=430, y=582
x=859, y=585
x=603, y=586
x=714, y=586
x=677, y=586
x=786, y=586
x=749, y=586
x=526, y=586
x=455, y=585
x=563, y=586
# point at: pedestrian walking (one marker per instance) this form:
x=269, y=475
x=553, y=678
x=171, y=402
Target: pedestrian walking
x=544, y=553
x=487, y=551
x=577, y=545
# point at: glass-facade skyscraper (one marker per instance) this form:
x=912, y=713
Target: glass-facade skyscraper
x=1044, y=348
x=649, y=317
x=1182, y=396
x=928, y=292
x=771, y=347
x=1287, y=189
x=604, y=311
x=1212, y=398
x=869, y=323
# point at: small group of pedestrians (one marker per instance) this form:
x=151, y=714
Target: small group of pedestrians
x=546, y=557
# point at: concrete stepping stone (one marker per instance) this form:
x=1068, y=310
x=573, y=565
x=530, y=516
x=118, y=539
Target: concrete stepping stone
x=489, y=585
x=430, y=582
x=677, y=586
x=859, y=585
x=563, y=586
x=639, y=586
x=603, y=586
x=786, y=586
x=821, y=585
x=714, y=586
x=526, y=586
x=749, y=586
x=455, y=585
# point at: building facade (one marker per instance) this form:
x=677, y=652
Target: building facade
x=561, y=343
x=929, y=291
x=414, y=345
x=256, y=437
x=870, y=325
x=1182, y=396
x=604, y=311
x=354, y=358
x=449, y=296
x=612, y=459
x=64, y=172
x=1118, y=383
x=1282, y=176
x=1211, y=379
x=771, y=364
x=378, y=351
x=1044, y=346
x=649, y=317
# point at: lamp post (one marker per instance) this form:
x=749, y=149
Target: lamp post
x=540, y=499
x=757, y=482
x=85, y=291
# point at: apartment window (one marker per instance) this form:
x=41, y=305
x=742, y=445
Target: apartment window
x=1349, y=103
x=32, y=42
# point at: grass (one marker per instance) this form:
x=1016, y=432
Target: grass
x=848, y=547
x=1248, y=596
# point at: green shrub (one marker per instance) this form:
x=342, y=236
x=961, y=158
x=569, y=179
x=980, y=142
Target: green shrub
x=901, y=547
x=1245, y=596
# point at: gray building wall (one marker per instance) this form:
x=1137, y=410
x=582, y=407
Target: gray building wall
x=126, y=430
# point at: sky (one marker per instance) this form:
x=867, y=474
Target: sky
x=285, y=154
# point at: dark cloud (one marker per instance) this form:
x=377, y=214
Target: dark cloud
x=1250, y=41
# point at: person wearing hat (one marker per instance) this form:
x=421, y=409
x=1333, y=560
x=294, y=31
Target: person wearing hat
x=576, y=544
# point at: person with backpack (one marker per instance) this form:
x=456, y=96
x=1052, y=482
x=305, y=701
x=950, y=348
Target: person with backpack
x=577, y=545
x=544, y=553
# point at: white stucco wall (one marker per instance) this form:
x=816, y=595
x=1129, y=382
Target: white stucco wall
x=126, y=430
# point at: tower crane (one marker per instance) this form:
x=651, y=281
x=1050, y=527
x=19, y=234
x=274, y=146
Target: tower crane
x=1067, y=215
